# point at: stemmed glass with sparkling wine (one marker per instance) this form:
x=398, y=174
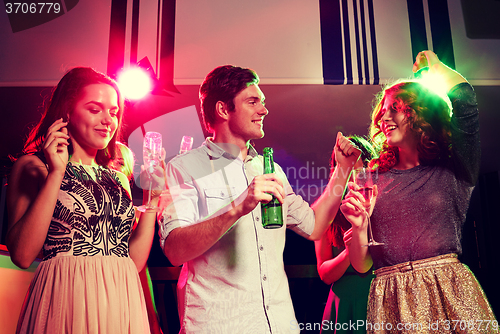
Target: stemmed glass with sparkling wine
x=186, y=144
x=152, y=156
x=363, y=177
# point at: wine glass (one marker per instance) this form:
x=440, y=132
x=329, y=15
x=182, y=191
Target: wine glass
x=186, y=144
x=363, y=177
x=152, y=155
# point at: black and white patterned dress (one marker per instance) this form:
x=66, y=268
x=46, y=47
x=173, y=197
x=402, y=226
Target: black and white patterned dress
x=86, y=282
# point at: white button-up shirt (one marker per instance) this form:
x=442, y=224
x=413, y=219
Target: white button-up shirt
x=239, y=284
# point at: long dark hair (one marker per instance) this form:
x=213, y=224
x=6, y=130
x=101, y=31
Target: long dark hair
x=62, y=102
x=428, y=117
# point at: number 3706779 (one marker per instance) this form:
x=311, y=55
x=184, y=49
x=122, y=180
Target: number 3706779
x=33, y=7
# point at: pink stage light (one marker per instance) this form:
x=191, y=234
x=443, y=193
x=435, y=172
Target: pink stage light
x=134, y=83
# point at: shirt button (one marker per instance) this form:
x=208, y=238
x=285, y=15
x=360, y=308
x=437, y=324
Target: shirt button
x=264, y=278
x=261, y=248
x=267, y=307
x=257, y=218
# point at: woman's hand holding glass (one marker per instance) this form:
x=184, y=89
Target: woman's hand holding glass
x=152, y=181
x=354, y=207
x=358, y=205
x=152, y=177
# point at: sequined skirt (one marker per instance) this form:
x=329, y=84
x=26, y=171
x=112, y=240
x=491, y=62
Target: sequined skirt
x=434, y=295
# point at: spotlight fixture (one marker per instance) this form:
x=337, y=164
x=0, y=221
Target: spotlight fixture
x=139, y=80
x=157, y=87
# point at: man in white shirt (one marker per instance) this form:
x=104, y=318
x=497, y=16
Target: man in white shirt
x=233, y=277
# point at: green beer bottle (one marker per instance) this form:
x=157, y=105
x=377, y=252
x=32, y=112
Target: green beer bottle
x=272, y=216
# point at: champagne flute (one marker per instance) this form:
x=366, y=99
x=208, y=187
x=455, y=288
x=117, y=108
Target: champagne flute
x=152, y=155
x=363, y=177
x=186, y=144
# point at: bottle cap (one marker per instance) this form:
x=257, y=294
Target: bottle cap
x=268, y=150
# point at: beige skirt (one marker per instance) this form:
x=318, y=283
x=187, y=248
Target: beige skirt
x=85, y=294
x=434, y=295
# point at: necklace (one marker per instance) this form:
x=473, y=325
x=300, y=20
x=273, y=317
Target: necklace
x=81, y=172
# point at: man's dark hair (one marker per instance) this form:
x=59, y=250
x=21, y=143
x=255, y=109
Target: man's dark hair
x=223, y=84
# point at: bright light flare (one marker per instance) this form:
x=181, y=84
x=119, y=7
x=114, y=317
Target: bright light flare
x=437, y=84
x=134, y=83
x=434, y=82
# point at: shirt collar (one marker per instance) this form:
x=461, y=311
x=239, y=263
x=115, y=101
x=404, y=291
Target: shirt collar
x=252, y=153
x=216, y=152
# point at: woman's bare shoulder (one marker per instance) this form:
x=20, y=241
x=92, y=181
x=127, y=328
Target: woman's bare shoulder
x=29, y=165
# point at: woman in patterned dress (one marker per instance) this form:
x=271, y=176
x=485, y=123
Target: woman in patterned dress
x=65, y=202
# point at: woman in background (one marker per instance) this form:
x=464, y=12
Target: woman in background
x=427, y=169
x=348, y=295
x=64, y=200
x=124, y=162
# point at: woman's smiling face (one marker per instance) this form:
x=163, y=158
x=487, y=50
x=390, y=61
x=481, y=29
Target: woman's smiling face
x=395, y=125
x=94, y=120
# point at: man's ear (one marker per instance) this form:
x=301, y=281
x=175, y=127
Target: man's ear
x=221, y=110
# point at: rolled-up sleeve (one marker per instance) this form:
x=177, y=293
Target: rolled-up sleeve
x=179, y=204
